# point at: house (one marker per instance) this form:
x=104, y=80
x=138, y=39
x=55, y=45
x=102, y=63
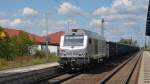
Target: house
x=53, y=40
x=2, y=35
x=14, y=32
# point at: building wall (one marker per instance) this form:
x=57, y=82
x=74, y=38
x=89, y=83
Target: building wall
x=53, y=49
x=34, y=49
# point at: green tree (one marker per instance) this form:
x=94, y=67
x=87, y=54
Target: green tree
x=125, y=41
x=1, y=28
x=15, y=46
x=128, y=41
x=6, y=49
x=23, y=43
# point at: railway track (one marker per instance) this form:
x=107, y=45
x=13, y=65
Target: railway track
x=62, y=78
x=28, y=77
x=35, y=77
x=95, y=75
x=91, y=76
x=53, y=77
x=57, y=74
x=123, y=74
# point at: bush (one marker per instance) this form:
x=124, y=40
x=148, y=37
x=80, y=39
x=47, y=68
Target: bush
x=53, y=58
x=12, y=47
x=147, y=49
x=39, y=54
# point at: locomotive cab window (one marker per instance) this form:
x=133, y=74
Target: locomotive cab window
x=73, y=40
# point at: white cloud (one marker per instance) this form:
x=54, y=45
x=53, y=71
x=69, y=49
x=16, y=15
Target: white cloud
x=126, y=2
x=101, y=10
x=130, y=24
x=29, y=11
x=124, y=17
x=95, y=23
x=123, y=7
x=11, y=23
x=69, y=9
x=4, y=22
x=124, y=11
x=16, y=22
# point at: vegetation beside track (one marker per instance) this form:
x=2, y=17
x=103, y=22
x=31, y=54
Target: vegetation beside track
x=26, y=61
x=147, y=49
x=15, y=51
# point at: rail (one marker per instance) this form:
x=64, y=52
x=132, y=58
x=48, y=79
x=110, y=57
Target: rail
x=116, y=70
x=29, y=77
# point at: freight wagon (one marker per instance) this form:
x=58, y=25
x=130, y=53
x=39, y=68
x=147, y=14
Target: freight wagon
x=118, y=49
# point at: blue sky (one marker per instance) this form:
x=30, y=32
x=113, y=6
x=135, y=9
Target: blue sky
x=123, y=18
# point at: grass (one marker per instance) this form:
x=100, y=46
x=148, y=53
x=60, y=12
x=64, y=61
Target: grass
x=147, y=49
x=25, y=61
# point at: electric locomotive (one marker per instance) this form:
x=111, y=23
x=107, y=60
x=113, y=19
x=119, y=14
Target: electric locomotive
x=79, y=48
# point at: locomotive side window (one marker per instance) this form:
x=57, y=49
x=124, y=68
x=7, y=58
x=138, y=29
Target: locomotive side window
x=96, y=46
x=90, y=41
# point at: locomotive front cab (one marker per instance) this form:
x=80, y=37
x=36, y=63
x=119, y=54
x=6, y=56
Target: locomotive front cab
x=73, y=50
x=73, y=45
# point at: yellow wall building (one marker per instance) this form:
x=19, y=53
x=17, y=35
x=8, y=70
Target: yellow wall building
x=2, y=34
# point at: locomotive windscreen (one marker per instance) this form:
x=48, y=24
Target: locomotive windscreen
x=73, y=40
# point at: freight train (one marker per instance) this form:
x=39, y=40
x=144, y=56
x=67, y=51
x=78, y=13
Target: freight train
x=118, y=49
x=79, y=48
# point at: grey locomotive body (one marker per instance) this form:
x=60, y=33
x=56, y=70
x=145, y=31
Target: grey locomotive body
x=79, y=48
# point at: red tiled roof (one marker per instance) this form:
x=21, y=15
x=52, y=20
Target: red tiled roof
x=13, y=32
x=36, y=38
x=54, y=37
